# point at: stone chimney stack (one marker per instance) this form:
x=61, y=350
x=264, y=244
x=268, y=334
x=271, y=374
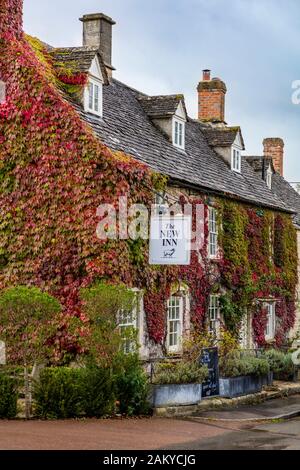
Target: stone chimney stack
x=211, y=99
x=11, y=18
x=274, y=148
x=97, y=32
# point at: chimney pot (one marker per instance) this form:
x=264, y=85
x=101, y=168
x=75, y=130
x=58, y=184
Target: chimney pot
x=206, y=75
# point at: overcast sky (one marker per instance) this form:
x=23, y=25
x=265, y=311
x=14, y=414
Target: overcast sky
x=161, y=47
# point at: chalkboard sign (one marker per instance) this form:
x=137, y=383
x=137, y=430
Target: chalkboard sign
x=210, y=358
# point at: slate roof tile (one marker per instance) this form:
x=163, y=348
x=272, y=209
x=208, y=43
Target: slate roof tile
x=78, y=58
x=126, y=127
x=160, y=106
x=280, y=186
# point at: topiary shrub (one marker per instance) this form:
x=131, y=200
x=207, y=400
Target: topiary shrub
x=8, y=397
x=58, y=393
x=236, y=364
x=98, y=394
x=131, y=386
x=281, y=364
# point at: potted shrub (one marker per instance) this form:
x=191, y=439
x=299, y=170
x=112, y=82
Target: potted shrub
x=281, y=365
x=177, y=384
x=243, y=374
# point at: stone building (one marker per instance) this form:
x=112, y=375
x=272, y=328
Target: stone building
x=203, y=159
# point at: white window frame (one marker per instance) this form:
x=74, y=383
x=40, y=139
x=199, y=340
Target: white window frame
x=178, y=133
x=271, y=320
x=214, y=314
x=175, y=323
x=236, y=160
x=213, y=245
x=269, y=177
x=90, y=100
x=131, y=320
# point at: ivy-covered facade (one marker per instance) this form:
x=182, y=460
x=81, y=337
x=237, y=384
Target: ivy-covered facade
x=59, y=163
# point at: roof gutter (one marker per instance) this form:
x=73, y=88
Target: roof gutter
x=226, y=195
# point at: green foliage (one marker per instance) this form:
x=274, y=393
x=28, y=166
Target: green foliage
x=231, y=312
x=226, y=342
x=131, y=385
x=103, y=304
x=8, y=396
x=180, y=373
x=98, y=391
x=25, y=323
x=237, y=364
x=92, y=391
x=58, y=393
x=280, y=363
x=260, y=262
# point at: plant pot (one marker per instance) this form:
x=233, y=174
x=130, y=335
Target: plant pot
x=246, y=385
x=175, y=395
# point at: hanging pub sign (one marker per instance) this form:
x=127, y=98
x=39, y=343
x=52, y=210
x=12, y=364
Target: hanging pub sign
x=170, y=240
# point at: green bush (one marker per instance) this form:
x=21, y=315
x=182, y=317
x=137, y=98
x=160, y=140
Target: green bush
x=58, y=393
x=92, y=391
x=8, y=397
x=131, y=385
x=280, y=363
x=236, y=364
x=98, y=394
x=179, y=373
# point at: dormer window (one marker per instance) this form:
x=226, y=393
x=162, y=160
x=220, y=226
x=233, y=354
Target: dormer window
x=236, y=160
x=93, y=100
x=178, y=133
x=269, y=177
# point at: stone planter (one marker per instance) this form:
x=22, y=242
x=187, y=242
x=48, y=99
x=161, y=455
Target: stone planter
x=175, y=395
x=238, y=386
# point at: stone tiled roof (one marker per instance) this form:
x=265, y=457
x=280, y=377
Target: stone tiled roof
x=280, y=186
x=78, y=58
x=222, y=136
x=161, y=106
x=126, y=127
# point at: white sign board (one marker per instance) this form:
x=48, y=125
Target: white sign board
x=170, y=240
x=2, y=353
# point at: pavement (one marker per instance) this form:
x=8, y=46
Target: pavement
x=284, y=408
x=272, y=436
x=234, y=429
x=111, y=434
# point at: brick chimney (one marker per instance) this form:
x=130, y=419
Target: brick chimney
x=97, y=31
x=211, y=99
x=274, y=148
x=11, y=18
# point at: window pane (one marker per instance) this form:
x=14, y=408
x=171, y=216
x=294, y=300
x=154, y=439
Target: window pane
x=271, y=320
x=238, y=160
x=128, y=325
x=213, y=232
x=176, y=133
x=91, y=95
x=213, y=313
x=96, y=93
x=180, y=135
x=174, y=321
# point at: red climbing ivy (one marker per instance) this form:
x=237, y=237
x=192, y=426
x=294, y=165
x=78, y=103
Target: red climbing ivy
x=54, y=173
